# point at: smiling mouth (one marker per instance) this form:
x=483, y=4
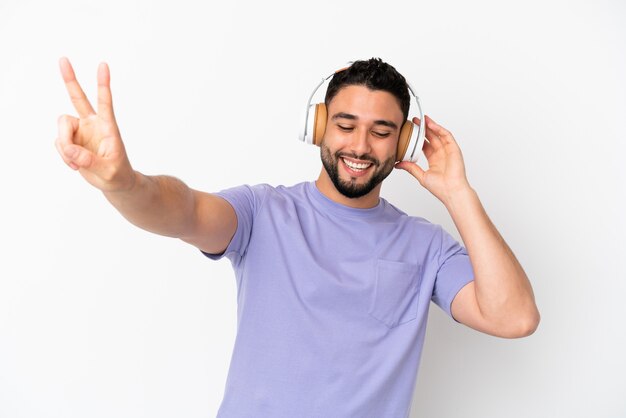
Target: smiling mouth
x=356, y=166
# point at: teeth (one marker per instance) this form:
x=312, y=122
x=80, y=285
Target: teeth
x=356, y=166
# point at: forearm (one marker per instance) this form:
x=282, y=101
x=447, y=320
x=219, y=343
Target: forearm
x=503, y=291
x=160, y=204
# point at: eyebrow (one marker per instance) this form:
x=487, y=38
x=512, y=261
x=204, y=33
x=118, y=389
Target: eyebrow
x=343, y=115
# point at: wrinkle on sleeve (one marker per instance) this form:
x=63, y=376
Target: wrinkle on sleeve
x=244, y=200
x=455, y=271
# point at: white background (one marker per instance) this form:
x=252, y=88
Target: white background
x=101, y=319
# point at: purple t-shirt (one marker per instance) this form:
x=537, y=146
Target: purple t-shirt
x=332, y=303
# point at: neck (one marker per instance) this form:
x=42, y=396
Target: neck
x=326, y=186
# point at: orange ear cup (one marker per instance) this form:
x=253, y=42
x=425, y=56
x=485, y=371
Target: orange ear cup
x=319, y=127
x=320, y=123
x=404, y=139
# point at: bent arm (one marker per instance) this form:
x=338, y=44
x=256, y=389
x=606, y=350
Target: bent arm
x=500, y=300
x=166, y=206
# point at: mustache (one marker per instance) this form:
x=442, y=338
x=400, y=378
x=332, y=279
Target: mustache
x=363, y=157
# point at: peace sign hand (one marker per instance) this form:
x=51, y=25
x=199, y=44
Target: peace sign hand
x=92, y=143
x=446, y=170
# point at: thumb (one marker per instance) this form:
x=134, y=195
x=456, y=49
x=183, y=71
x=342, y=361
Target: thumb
x=413, y=169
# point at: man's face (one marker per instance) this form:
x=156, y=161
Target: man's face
x=358, y=149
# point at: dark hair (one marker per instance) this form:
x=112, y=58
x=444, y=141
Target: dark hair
x=375, y=75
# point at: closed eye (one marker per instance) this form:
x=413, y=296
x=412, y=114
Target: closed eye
x=350, y=129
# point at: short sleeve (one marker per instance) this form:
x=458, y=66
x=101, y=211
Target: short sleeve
x=245, y=200
x=455, y=271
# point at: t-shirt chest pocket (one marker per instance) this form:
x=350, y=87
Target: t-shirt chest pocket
x=395, y=292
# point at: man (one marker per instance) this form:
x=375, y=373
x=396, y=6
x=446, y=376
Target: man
x=333, y=282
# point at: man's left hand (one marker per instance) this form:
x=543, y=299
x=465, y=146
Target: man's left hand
x=446, y=170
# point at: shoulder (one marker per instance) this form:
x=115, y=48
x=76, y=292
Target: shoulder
x=261, y=190
x=412, y=221
x=415, y=231
x=282, y=192
x=265, y=188
x=258, y=195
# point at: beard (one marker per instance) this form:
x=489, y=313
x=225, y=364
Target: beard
x=351, y=188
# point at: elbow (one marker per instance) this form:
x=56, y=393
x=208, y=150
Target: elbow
x=526, y=326
x=530, y=326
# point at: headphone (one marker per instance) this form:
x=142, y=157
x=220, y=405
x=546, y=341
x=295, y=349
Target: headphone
x=411, y=137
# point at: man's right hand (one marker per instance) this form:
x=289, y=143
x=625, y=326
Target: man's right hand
x=164, y=205
x=92, y=143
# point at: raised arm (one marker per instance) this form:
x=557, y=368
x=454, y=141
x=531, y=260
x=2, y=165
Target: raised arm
x=91, y=144
x=500, y=300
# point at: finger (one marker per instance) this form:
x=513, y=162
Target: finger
x=428, y=149
x=67, y=126
x=432, y=142
x=414, y=169
x=80, y=157
x=71, y=153
x=105, y=99
x=434, y=139
x=431, y=136
x=67, y=161
x=81, y=104
x=443, y=134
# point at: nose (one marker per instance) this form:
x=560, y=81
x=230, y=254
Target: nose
x=360, y=143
